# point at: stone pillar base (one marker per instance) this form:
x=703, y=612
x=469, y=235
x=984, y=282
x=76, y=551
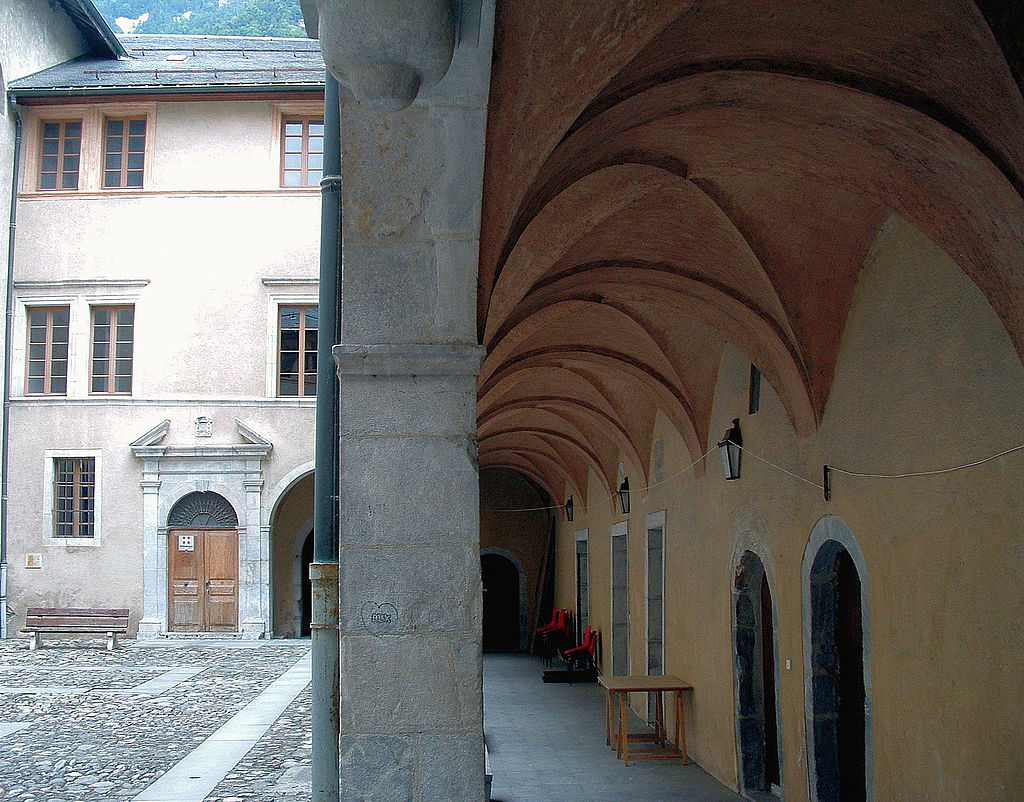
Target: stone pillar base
x=253, y=629
x=150, y=628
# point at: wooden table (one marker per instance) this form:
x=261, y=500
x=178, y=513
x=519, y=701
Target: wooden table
x=641, y=683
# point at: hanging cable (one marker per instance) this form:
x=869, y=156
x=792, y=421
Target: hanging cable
x=926, y=473
x=780, y=468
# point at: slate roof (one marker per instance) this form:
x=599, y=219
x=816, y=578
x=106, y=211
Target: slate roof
x=164, y=64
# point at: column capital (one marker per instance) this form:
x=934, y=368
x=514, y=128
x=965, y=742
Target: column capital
x=408, y=359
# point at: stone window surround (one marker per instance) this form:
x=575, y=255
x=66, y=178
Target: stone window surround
x=286, y=291
x=80, y=296
x=297, y=108
x=654, y=521
x=90, y=170
x=619, y=529
x=581, y=535
x=49, y=455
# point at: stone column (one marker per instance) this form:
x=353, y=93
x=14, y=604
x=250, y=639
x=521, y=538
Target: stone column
x=411, y=696
x=154, y=573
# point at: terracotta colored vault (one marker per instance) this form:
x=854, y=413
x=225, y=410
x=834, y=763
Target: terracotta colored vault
x=664, y=178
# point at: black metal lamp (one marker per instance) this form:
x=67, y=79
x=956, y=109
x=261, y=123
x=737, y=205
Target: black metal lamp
x=568, y=509
x=624, y=496
x=731, y=451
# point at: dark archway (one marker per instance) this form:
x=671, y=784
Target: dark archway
x=501, y=603
x=757, y=729
x=306, y=614
x=837, y=673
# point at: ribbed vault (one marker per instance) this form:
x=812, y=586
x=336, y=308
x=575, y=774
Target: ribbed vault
x=664, y=178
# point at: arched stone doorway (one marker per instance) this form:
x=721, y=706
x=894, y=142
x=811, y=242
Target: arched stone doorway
x=291, y=544
x=837, y=665
x=202, y=564
x=502, y=583
x=756, y=675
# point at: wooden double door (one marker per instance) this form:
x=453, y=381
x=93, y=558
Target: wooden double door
x=203, y=580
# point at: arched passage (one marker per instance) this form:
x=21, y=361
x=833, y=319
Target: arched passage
x=291, y=527
x=756, y=676
x=837, y=665
x=501, y=624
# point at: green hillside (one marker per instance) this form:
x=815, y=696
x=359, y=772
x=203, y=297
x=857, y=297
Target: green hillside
x=220, y=17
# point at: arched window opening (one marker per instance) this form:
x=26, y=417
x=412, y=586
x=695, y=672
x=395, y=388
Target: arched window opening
x=757, y=726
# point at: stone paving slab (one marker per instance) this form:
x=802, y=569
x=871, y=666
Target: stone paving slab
x=130, y=715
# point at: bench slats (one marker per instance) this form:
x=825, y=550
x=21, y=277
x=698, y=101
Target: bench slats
x=79, y=612
x=68, y=621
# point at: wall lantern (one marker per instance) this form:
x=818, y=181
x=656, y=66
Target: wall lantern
x=730, y=449
x=624, y=496
x=568, y=509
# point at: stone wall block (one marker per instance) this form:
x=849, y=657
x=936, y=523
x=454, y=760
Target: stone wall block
x=422, y=588
x=422, y=406
x=399, y=309
x=454, y=211
x=438, y=783
x=382, y=506
x=456, y=283
x=376, y=768
x=411, y=683
x=388, y=173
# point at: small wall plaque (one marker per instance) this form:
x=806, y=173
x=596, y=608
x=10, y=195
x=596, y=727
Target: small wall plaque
x=204, y=426
x=186, y=542
x=33, y=560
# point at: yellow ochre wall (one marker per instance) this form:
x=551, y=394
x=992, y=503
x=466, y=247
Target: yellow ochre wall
x=926, y=379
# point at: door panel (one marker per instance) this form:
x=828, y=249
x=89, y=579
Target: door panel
x=221, y=553
x=620, y=606
x=185, y=557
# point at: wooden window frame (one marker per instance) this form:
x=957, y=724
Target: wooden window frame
x=48, y=344
x=77, y=475
x=302, y=373
x=111, y=360
x=62, y=154
x=125, y=153
x=304, y=169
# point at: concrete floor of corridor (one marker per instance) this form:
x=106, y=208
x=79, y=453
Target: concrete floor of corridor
x=546, y=743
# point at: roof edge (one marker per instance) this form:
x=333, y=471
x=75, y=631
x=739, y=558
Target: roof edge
x=96, y=30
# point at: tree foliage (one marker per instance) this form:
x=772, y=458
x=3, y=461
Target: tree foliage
x=216, y=17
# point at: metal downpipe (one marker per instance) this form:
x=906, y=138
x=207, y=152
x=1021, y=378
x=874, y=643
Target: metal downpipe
x=8, y=339
x=324, y=570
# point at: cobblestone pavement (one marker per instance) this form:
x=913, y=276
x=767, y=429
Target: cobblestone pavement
x=72, y=728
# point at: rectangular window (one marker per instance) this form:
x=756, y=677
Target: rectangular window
x=47, y=350
x=755, y=390
x=74, y=497
x=61, y=153
x=124, y=152
x=302, y=151
x=113, y=339
x=297, y=343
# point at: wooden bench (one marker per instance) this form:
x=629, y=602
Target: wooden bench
x=71, y=620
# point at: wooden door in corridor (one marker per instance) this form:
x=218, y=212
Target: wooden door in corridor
x=202, y=580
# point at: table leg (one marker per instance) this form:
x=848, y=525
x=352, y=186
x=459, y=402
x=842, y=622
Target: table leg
x=623, y=734
x=680, y=726
x=659, y=720
x=608, y=718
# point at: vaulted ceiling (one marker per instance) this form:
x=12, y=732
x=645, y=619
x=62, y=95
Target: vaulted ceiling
x=667, y=177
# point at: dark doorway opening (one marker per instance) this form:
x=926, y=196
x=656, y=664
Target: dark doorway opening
x=306, y=559
x=837, y=671
x=501, y=603
x=756, y=715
